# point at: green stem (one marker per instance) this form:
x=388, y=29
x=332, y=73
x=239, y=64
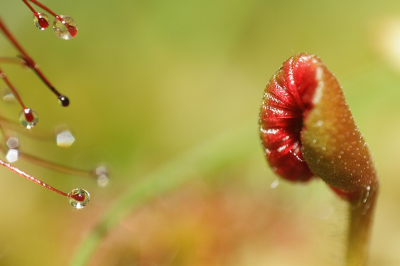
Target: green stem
x=222, y=151
x=361, y=218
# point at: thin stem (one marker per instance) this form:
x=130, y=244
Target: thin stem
x=13, y=60
x=31, y=178
x=54, y=166
x=17, y=127
x=361, y=218
x=3, y=133
x=29, y=61
x=46, y=164
x=45, y=8
x=40, y=5
x=11, y=87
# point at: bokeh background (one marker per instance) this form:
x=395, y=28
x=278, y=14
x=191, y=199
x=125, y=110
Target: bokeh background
x=167, y=94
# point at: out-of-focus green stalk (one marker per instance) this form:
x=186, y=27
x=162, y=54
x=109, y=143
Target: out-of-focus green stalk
x=224, y=150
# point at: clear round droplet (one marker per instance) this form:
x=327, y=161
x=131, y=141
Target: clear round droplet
x=102, y=176
x=64, y=27
x=41, y=20
x=79, y=198
x=28, y=118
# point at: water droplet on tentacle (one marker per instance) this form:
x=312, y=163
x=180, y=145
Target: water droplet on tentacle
x=79, y=198
x=28, y=118
x=41, y=20
x=64, y=27
x=63, y=100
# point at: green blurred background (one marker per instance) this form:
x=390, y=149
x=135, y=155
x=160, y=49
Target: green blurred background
x=150, y=80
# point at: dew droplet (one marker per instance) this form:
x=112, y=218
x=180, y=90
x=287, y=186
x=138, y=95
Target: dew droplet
x=63, y=100
x=28, y=118
x=64, y=27
x=79, y=198
x=102, y=176
x=41, y=20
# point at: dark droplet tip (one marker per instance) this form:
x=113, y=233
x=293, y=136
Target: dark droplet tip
x=63, y=100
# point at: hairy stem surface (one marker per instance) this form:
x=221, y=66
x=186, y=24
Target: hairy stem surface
x=361, y=218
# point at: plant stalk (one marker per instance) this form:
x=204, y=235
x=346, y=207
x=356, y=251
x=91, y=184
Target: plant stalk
x=361, y=218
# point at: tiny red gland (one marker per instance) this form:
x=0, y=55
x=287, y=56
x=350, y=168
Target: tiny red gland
x=78, y=197
x=72, y=30
x=29, y=62
x=42, y=21
x=28, y=115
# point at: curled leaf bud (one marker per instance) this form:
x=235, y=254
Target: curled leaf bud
x=307, y=129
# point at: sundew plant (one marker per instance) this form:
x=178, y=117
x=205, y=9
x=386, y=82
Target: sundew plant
x=167, y=95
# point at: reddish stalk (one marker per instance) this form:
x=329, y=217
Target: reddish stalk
x=56, y=167
x=13, y=60
x=11, y=87
x=39, y=5
x=71, y=29
x=28, y=113
x=31, y=178
x=78, y=198
x=30, y=63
